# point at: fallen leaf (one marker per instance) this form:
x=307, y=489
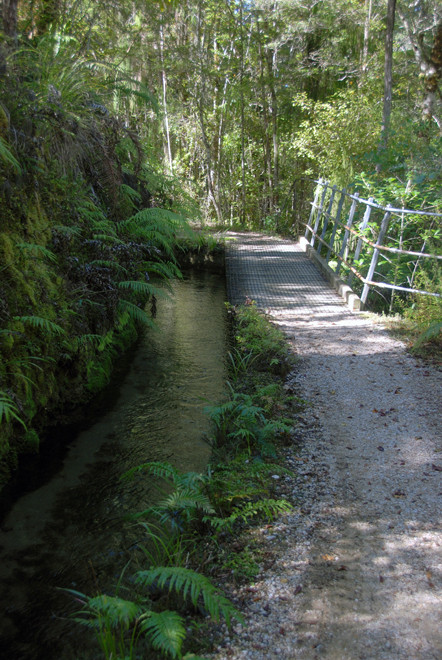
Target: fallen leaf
x=328, y=557
x=438, y=468
x=429, y=578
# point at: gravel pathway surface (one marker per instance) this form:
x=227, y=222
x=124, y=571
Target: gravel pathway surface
x=354, y=572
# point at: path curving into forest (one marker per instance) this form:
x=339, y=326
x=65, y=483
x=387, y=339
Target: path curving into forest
x=354, y=572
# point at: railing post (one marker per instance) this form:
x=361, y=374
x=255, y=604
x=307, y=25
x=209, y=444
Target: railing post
x=335, y=225
x=347, y=232
x=318, y=217
x=362, y=227
x=312, y=212
x=375, y=257
x=327, y=218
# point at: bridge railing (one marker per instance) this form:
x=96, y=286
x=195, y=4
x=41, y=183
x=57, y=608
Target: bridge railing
x=377, y=245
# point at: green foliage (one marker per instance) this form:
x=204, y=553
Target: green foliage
x=40, y=250
x=258, y=340
x=432, y=332
x=119, y=623
x=267, y=509
x=8, y=410
x=166, y=631
x=192, y=585
x=40, y=323
x=241, y=422
x=7, y=157
x=112, y=618
x=187, y=502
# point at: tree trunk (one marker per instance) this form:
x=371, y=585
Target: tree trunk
x=168, y=149
x=433, y=75
x=9, y=18
x=429, y=65
x=368, y=7
x=388, y=78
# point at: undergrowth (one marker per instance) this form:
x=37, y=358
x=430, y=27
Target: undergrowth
x=197, y=533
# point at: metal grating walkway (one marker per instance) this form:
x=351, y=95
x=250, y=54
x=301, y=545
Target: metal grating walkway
x=278, y=275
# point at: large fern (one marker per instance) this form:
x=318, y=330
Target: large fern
x=433, y=331
x=142, y=288
x=165, y=630
x=186, y=502
x=7, y=156
x=8, y=410
x=266, y=508
x=192, y=585
x=136, y=313
x=38, y=249
x=101, y=610
x=41, y=324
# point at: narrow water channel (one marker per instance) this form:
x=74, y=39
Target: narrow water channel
x=72, y=532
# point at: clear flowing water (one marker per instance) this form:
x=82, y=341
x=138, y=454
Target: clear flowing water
x=73, y=531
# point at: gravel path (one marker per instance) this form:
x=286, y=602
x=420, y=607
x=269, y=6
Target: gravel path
x=356, y=569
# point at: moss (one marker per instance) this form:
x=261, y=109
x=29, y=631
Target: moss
x=32, y=440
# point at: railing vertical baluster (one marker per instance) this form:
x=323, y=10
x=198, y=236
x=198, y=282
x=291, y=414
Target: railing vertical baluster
x=327, y=218
x=347, y=232
x=312, y=212
x=336, y=223
x=375, y=257
x=362, y=227
x=318, y=217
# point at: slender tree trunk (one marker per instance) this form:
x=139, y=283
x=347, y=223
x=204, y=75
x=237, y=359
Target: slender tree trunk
x=433, y=74
x=271, y=66
x=9, y=18
x=388, y=78
x=241, y=84
x=368, y=9
x=209, y=170
x=430, y=67
x=266, y=132
x=168, y=148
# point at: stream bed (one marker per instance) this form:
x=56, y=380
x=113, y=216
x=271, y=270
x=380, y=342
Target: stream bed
x=73, y=532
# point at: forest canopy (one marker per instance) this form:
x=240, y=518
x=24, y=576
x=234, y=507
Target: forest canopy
x=237, y=99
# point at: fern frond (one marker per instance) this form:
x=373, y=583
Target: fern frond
x=135, y=312
x=8, y=409
x=430, y=333
x=269, y=509
x=104, y=226
x=7, y=157
x=193, y=585
x=108, y=238
x=142, y=287
x=110, y=611
x=165, y=630
x=68, y=231
x=105, y=263
x=162, y=220
x=132, y=195
x=41, y=324
x=167, y=270
x=39, y=249
x=159, y=469
x=182, y=499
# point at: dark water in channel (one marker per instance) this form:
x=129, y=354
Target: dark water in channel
x=72, y=532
